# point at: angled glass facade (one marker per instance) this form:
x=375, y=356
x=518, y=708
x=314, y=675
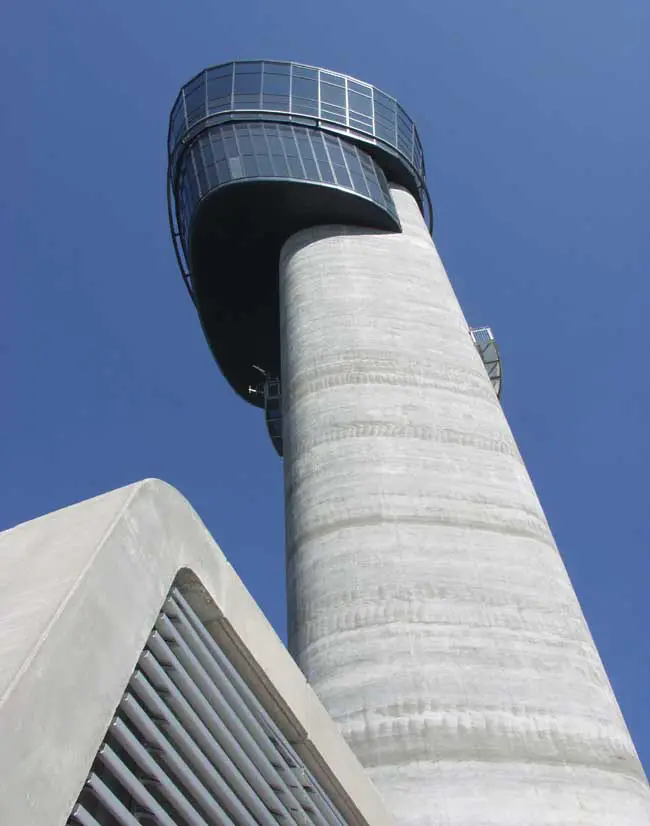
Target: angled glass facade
x=267, y=151
x=311, y=96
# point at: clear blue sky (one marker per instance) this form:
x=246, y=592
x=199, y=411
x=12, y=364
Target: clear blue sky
x=536, y=128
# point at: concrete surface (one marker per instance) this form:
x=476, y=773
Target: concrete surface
x=428, y=604
x=80, y=590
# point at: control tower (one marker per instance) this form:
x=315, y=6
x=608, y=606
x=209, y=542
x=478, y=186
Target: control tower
x=428, y=605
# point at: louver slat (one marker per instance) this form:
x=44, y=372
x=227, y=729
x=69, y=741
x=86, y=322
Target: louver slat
x=191, y=745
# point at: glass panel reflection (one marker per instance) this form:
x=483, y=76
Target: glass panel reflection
x=266, y=151
x=360, y=103
x=276, y=84
x=263, y=88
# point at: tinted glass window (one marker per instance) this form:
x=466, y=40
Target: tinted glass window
x=326, y=172
x=247, y=84
x=334, y=150
x=359, y=88
x=236, y=167
x=360, y=103
x=330, y=77
x=296, y=89
x=248, y=144
x=178, y=119
x=265, y=167
x=195, y=100
x=342, y=176
x=275, y=84
x=275, y=144
x=363, y=124
x=304, y=106
x=277, y=102
x=311, y=169
x=250, y=166
x=332, y=94
x=330, y=113
x=295, y=167
x=290, y=148
x=219, y=88
x=280, y=165
x=304, y=71
x=319, y=147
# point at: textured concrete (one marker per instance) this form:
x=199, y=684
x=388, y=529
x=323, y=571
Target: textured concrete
x=428, y=604
x=80, y=590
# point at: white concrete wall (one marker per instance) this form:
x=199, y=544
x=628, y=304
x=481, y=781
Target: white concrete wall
x=428, y=605
x=80, y=590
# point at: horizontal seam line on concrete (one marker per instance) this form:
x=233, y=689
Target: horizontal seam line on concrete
x=434, y=714
x=527, y=513
x=548, y=640
x=359, y=522
x=423, y=433
x=607, y=768
x=296, y=392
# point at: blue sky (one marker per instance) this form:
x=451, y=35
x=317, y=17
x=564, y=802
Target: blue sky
x=536, y=128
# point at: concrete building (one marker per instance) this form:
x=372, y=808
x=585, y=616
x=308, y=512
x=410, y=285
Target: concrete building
x=141, y=684
x=442, y=671
x=428, y=605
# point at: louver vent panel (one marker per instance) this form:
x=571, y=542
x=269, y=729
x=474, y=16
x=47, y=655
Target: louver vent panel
x=191, y=745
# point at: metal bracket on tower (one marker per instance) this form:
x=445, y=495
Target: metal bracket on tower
x=489, y=353
x=270, y=390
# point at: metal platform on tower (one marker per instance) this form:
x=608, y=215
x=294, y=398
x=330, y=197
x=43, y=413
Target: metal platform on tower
x=489, y=353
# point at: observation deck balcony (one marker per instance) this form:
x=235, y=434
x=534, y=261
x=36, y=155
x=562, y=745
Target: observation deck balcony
x=259, y=150
x=489, y=353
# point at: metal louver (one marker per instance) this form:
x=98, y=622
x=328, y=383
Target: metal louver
x=191, y=745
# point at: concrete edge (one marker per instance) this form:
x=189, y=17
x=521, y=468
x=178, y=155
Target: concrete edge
x=58, y=708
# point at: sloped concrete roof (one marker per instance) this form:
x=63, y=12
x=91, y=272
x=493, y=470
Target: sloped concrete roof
x=80, y=590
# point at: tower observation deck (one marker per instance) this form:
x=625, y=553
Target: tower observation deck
x=428, y=605
x=259, y=150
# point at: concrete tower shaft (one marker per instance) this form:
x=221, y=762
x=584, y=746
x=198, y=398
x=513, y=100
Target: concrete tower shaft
x=428, y=604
